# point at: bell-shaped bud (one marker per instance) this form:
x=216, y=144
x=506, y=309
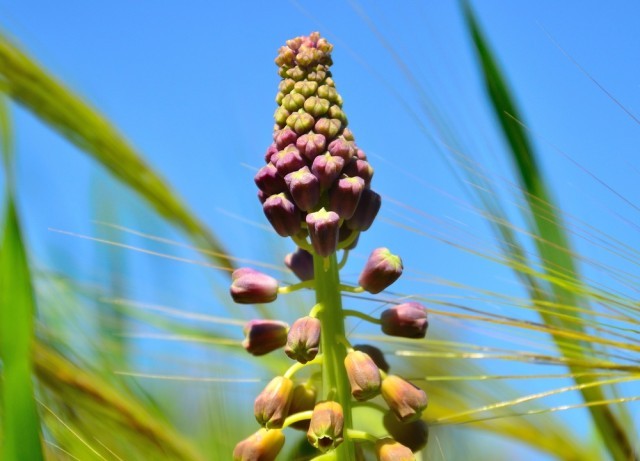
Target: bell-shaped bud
x=403, y=398
x=366, y=211
x=325, y=428
x=269, y=181
x=336, y=113
x=413, y=435
x=288, y=160
x=271, y=407
x=328, y=92
x=283, y=215
x=359, y=168
x=301, y=263
x=300, y=121
x=388, y=449
x=329, y=127
x=303, y=340
x=407, y=320
x=304, y=188
x=306, y=88
x=323, y=228
x=293, y=101
x=264, y=336
x=327, y=169
x=363, y=374
x=263, y=445
x=249, y=286
x=304, y=399
x=381, y=270
x=340, y=147
x=345, y=195
x=311, y=145
x=295, y=73
x=272, y=149
x=280, y=116
x=376, y=355
x=285, y=56
x=316, y=106
x=284, y=137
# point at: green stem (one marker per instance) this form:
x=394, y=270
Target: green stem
x=335, y=383
x=362, y=315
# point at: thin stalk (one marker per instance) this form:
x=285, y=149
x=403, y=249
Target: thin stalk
x=335, y=383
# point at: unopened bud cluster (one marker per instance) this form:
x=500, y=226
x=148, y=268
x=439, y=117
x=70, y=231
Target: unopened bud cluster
x=316, y=189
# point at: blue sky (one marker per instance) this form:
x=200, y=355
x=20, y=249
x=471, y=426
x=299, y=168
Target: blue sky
x=192, y=86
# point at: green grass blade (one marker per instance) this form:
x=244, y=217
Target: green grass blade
x=552, y=242
x=31, y=86
x=21, y=423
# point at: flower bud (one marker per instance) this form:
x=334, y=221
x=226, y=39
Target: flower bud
x=283, y=215
x=388, y=449
x=342, y=148
x=263, y=445
x=249, y=286
x=286, y=85
x=301, y=263
x=304, y=399
x=376, y=355
x=328, y=92
x=408, y=320
x=269, y=181
x=413, y=435
x=271, y=407
x=363, y=374
x=293, y=101
x=280, y=116
x=323, y=228
x=317, y=107
x=311, y=145
x=264, y=336
x=403, y=398
x=304, y=188
x=284, y=137
x=359, y=168
x=345, y=195
x=366, y=211
x=272, y=149
x=325, y=428
x=306, y=88
x=327, y=169
x=381, y=270
x=288, y=160
x=329, y=127
x=303, y=339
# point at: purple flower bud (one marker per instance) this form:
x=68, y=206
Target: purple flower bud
x=264, y=336
x=323, y=228
x=325, y=428
x=327, y=169
x=328, y=92
x=342, y=148
x=262, y=196
x=359, y=168
x=376, y=355
x=249, y=286
x=403, y=398
x=304, y=399
x=272, y=149
x=303, y=339
x=304, y=188
x=283, y=215
x=414, y=435
x=316, y=106
x=288, y=160
x=380, y=271
x=363, y=374
x=293, y=101
x=345, y=195
x=269, y=181
x=284, y=137
x=271, y=407
x=388, y=449
x=408, y=320
x=263, y=445
x=300, y=262
x=311, y=145
x=344, y=234
x=360, y=154
x=329, y=127
x=306, y=89
x=366, y=211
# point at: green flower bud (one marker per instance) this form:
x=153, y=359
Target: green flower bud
x=304, y=399
x=304, y=188
x=311, y=145
x=285, y=57
x=329, y=127
x=271, y=407
x=323, y=228
x=305, y=88
x=325, y=428
x=403, y=398
x=301, y=263
x=300, y=121
x=381, y=270
x=327, y=168
x=376, y=355
x=283, y=215
x=363, y=374
x=316, y=106
x=295, y=73
x=335, y=112
x=293, y=101
x=249, y=286
x=328, y=92
x=388, y=449
x=263, y=445
x=408, y=320
x=414, y=435
x=366, y=211
x=345, y=195
x=280, y=116
x=303, y=340
x=286, y=85
x=264, y=336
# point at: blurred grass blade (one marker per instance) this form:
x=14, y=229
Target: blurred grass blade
x=551, y=240
x=20, y=421
x=31, y=86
